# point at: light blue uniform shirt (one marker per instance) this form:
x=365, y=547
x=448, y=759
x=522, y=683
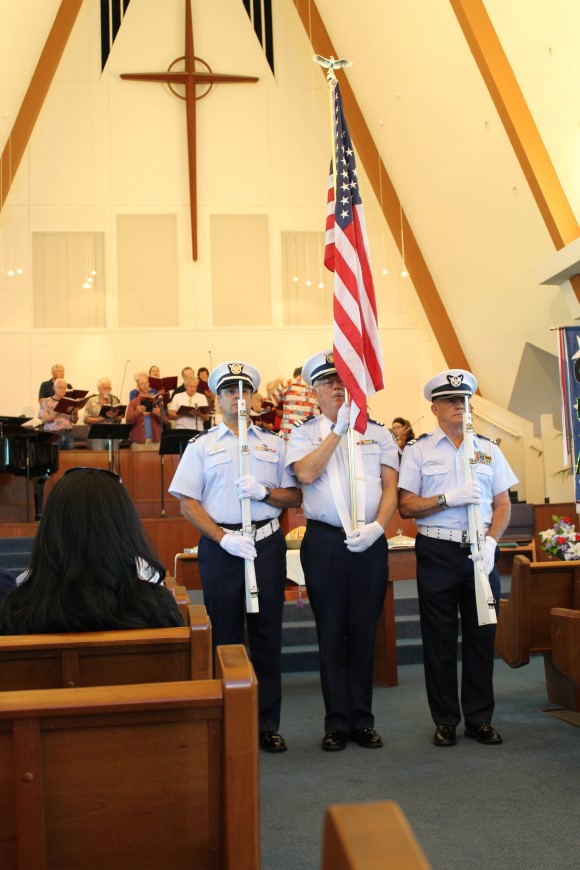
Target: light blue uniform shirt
x=378, y=448
x=432, y=465
x=210, y=467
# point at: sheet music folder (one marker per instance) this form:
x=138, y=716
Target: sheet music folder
x=175, y=441
x=110, y=430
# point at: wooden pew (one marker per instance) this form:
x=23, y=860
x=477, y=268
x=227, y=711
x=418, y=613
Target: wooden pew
x=565, y=632
x=51, y=661
x=370, y=836
x=524, y=620
x=156, y=775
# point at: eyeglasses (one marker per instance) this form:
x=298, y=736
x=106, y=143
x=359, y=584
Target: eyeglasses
x=92, y=468
x=328, y=382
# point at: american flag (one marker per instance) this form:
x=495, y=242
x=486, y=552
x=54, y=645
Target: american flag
x=357, y=349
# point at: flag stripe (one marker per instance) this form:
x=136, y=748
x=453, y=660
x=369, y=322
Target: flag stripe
x=357, y=348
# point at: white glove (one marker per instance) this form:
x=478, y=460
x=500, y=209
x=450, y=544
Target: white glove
x=489, y=554
x=238, y=545
x=249, y=487
x=467, y=493
x=364, y=537
x=343, y=420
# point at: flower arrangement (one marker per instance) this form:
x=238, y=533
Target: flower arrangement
x=562, y=540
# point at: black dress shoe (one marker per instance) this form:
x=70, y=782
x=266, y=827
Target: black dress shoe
x=271, y=741
x=483, y=733
x=368, y=738
x=334, y=741
x=445, y=735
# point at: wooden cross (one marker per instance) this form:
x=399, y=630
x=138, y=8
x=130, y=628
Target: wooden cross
x=189, y=78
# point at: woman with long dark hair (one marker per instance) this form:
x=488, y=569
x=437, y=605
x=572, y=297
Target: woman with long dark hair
x=92, y=567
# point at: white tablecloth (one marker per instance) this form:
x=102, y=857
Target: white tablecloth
x=294, y=568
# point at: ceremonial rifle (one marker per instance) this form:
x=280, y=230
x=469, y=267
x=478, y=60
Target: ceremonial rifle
x=252, y=604
x=484, y=599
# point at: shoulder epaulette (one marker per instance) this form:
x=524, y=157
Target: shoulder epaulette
x=199, y=435
x=268, y=431
x=485, y=438
x=376, y=422
x=305, y=419
x=414, y=440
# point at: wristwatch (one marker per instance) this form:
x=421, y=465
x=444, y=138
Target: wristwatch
x=268, y=493
x=442, y=501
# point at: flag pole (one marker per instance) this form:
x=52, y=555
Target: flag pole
x=330, y=64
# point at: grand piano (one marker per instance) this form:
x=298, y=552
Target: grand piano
x=30, y=453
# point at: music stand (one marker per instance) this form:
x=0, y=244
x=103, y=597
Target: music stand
x=111, y=432
x=172, y=443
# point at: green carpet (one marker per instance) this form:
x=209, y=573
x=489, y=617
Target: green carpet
x=471, y=807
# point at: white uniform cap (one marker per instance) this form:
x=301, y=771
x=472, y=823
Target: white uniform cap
x=318, y=366
x=232, y=373
x=454, y=382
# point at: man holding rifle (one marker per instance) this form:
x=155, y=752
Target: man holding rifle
x=210, y=488
x=435, y=492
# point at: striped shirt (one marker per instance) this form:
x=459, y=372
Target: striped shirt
x=297, y=400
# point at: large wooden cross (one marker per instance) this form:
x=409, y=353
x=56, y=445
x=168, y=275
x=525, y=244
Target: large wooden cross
x=190, y=78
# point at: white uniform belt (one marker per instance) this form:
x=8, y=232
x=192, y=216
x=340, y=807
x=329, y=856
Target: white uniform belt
x=259, y=534
x=458, y=536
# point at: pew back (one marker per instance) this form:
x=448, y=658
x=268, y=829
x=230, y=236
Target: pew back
x=51, y=661
x=157, y=775
x=524, y=626
x=370, y=836
x=565, y=624
x=524, y=619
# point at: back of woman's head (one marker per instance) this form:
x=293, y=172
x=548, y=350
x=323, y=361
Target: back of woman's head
x=89, y=518
x=84, y=558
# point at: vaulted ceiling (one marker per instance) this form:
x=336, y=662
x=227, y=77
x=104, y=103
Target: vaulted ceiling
x=485, y=230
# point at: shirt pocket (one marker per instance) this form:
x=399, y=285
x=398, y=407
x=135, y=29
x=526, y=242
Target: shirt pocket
x=371, y=457
x=432, y=471
x=213, y=460
x=485, y=477
x=266, y=467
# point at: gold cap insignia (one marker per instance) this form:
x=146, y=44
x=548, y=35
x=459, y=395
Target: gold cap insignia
x=236, y=368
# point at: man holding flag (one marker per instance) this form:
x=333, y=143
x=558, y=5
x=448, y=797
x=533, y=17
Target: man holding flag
x=349, y=494
x=345, y=568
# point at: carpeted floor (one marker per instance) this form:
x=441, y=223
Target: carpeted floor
x=513, y=806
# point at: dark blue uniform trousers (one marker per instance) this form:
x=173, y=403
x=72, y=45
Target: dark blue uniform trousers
x=222, y=578
x=446, y=586
x=346, y=591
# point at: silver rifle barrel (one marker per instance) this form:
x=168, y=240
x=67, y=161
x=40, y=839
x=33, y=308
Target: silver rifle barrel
x=252, y=603
x=484, y=599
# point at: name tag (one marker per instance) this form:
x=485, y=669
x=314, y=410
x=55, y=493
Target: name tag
x=216, y=450
x=433, y=462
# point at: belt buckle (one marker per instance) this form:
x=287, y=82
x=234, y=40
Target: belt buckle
x=250, y=529
x=465, y=539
